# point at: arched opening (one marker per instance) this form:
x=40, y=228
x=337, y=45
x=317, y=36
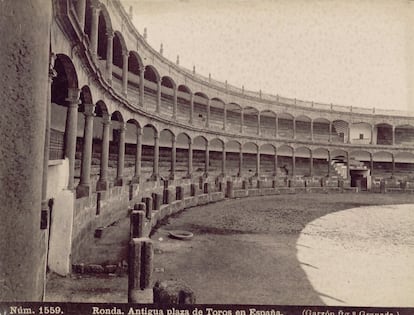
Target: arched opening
x=183, y=103
x=151, y=78
x=382, y=166
x=216, y=157
x=233, y=117
x=200, y=109
x=134, y=67
x=339, y=131
x=166, y=154
x=119, y=48
x=360, y=133
x=384, y=134
x=339, y=162
x=404, y=135
x=117, y=149
x=285, y=126
x=285, y=161
x=321, y=163
x=183, y=168
x=149, y=159
x=167, y=96
x=360, y=169
x=268, y=123
x=303, y=163
x=250, y=118
x=217, y=113
x=267, y=160
x=250, y=159
x=404, y=165
x=303, y=128
x=199, y=156
x=233, y=158
x=321, y=130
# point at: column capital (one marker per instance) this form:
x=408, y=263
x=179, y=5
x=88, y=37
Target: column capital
x=89, y=109
x=122, y=126
x=110, y=34
x=125, y=53
x=139, y=131
x=95, y=6
x=173, y=140
x=142, y=70
x=156, y=136
x=73, y=96
x=106, y=119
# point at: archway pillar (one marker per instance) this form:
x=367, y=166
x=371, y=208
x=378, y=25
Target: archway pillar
x=121, y=156
x=311, y=130
x=141, y=86
x=329, y=163
x=241, y=120
x=275, y=165
x=207, y=160
x=294, y=128
x=96, y=9
x=293, y=162
x=190, y=159
x=109, y=55
x=83, y=188
x=330, y=132
x=392, y=165
x=224, y=117
x=310, y=163
x=276, y=127
x=174, y=114
x=223, y=161
x=71, y=132
x=102, y=183
x=158, y=104
x=393, y=135
x=372, y=134
x=258, y=162
x=173, y=157
x=191, y=108
x=208, y=113
x=240, y=174
x=137, y=174
x=155, y=166
x=125, y=55
x=349, y=132
x=258, y=123
x=80, y=11
x=371, y=163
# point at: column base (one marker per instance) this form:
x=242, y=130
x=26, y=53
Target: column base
x=119, y=181
x=171, y=176
x=102, y=185
x=83, y=191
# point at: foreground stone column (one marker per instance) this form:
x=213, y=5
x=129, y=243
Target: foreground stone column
x=23, y=93
x=95, y=8
x=173, y=158
x=71, y=131
x=102, y=183
x=109, y=54
x=138, y=154
x=125, y=55
x=85, y=181
x=121, y=156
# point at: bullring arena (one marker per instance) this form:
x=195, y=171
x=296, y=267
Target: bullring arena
x=129, y=135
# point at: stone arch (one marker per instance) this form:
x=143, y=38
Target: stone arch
x=183, y=103
x=233, y=117
x=200, y=108
x=251, y=120
x=303, y=163
x=168, y=87
x=268, y=123
x=284, y=160
x=285, y=125
x=340, y=131
x=303, y=127
x=361, y=133
x=321, y=129
x=404, y=165
x=217, y=112
x=250, y=154
x=119, y=49
x=321, y=162
x=404, y=134
x=267, y=159
x=104, y=29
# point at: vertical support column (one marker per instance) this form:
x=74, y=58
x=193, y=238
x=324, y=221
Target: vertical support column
x=310, y=163
x=349, y=132
x=125, y=55
x=208, y=113
x=174, y=114
x=294, y=127
x=372, y=134
x=371, y=163
x=121, y=156
x=241, y=120
x=24, y=100
x=85, y=180
x=258, y=162
x=347, y=164
x=158, y=105
x=275, y=165
x=102, y=183
x=71, y=132
x=95, y=8
x=173, y=157
x=311, y=129
x=224, y=117
x=293, y=162
x=207, y=158
x=155, y=168
x=329, y=163
x=190, y=158
x=393, y=165
x=109, y=54
x=393, y=135
x=191, y=108
x=138, y=154
x=223, y=161
x=141, y=86
x=276, y=127
x=330, y=132
x=80, y=11
x=240, y=161
x=258, y=123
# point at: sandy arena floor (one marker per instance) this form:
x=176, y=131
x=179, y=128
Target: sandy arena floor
x=288, y=249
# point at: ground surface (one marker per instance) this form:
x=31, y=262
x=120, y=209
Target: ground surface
x=256, y=250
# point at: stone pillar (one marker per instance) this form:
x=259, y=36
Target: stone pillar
x=155, y=170
x=71, y=132
x=190, y=158
x=372, y=134
x=208, y=113
x=138, y=154
x=85, y=180
x=158, y=105
x=24, y=87
x=240, y=162
x=80, y=11
x=329, y=163
x=371, y=163
x=294, y=128
x=95, y=8
x=241, y=120
x=393, y=135
x=310, y=163
x=125, y=55
x=109, y=54
x=174, y=114
x=223, y=161
x=393, y=165
x=349, y=132
x=293, y=163
x=311, y=130
x=347, y=164
x=191, y=108
x=258, y=123
x=224, y=117
x=121, y=156
x=275, y=166
x=258, y=162
x=276, y=127
x=141, y=86
x=102, y=183
x=330, y=132
x=207, y=158
x=173, y=157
